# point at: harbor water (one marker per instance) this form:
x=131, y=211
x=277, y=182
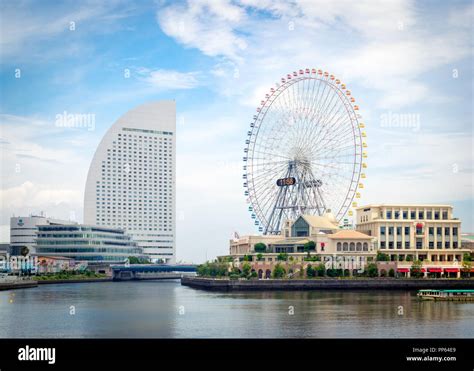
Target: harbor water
x=165, y=309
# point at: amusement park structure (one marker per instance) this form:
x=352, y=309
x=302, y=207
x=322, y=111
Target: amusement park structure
x=305, y=151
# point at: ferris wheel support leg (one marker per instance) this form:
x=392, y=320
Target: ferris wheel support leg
x=274, y=221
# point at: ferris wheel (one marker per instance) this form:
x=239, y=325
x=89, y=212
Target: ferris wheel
x=305, y=151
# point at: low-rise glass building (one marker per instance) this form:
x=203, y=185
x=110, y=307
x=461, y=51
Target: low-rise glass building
x=86, y=243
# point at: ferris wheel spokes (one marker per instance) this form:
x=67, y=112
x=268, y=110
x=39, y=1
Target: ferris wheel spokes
x=304, y=150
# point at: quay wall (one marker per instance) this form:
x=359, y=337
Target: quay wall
x=326, y=284
x=84, y=280
x=18, y=285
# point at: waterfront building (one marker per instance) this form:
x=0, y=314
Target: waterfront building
x=23, y=230
x=131, y=180
x=402, y=233
x=86, y=243
x=324, y=231
x=333, y=246
x=427, y=232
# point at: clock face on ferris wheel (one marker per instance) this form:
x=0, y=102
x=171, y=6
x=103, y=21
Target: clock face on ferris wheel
x=305, y=151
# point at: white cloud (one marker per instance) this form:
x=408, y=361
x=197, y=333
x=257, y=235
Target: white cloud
x=35, y=196
x=25, y=24
x=361, y=16
x=420, y=166
x=206, y=25
x=462, y=17
x=43, y=167
x=384, y=48
x=169, y=79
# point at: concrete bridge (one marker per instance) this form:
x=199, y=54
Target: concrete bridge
x=151, y=272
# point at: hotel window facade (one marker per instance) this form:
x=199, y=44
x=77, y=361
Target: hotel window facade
x=131, y=181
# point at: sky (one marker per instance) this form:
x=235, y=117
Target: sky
x=217, y=59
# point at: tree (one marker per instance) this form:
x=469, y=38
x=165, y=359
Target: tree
x=246, y=270
x=309, y=246
x=415, y=270
x=467, y=257
x=309, y=271
x=466, y=268
x=301, y=272
x=136, y=260
x=283, y=256
x=391, y=272
x=332, y=272
x=372, y=270
x=133, y=260
x=278, y=271
x=213, y=269
x=259, y=256
x=409, y=258
x=260, y=247
x=321, y=270
x=381, y=257
x=234, y=276
x=203, y=270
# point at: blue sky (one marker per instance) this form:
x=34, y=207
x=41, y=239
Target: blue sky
x=218, y=59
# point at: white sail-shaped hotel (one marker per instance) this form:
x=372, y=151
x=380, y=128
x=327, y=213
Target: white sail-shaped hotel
x=131, y=180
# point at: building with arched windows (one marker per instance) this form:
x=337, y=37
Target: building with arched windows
x=392, y=236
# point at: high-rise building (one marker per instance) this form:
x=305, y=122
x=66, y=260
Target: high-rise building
x=23, y=231
x=131, y=180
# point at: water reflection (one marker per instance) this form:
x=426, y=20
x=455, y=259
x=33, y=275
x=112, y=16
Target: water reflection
x=167, y=309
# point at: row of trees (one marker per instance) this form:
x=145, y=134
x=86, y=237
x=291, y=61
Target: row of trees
x=220, y=268
x=321, y=271
x=135, y=260
x=213, y=269
x=370, y=271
